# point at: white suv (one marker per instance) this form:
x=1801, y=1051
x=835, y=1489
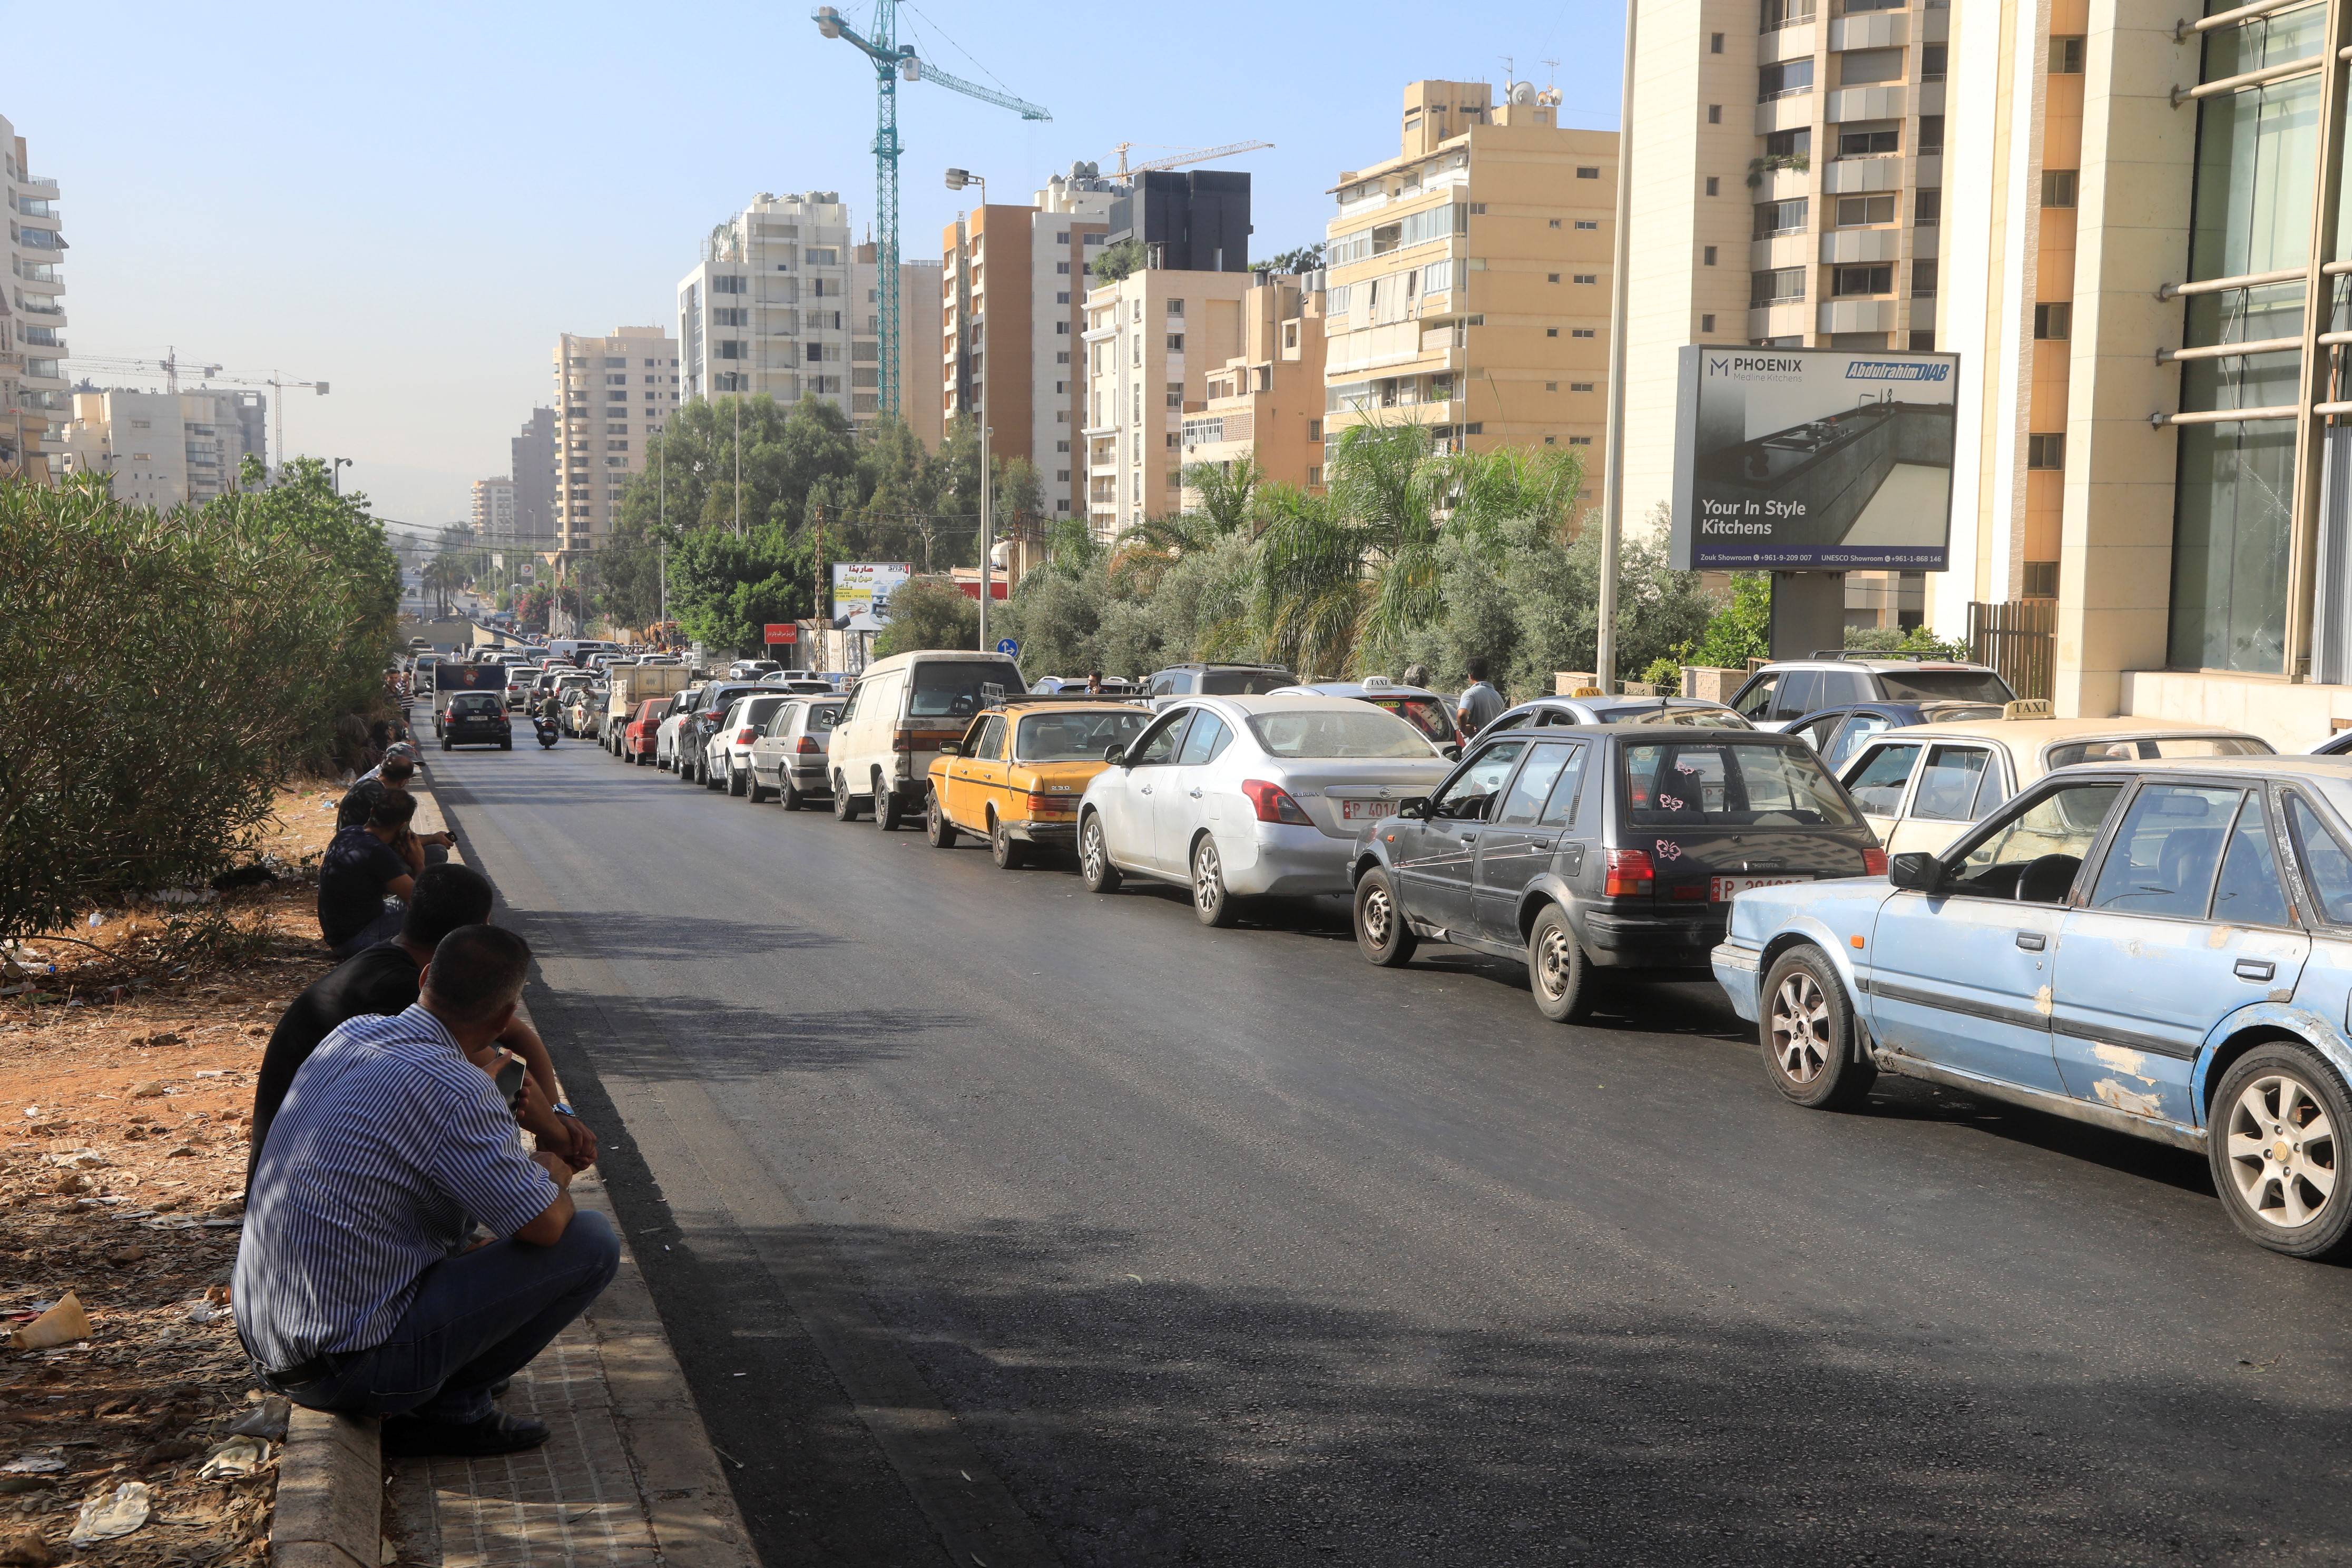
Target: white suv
x=1780, y=693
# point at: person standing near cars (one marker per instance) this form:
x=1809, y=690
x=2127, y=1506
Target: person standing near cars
x=1480, y=704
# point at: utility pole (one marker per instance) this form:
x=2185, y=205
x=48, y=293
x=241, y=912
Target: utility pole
x=1613, y=484
x=739, y=454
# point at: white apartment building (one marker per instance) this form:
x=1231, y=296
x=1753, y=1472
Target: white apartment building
x=32, y=379
x=769, y=308
x=163, y=449
x=614, y=392
x=494, y=510
x=1151, y=340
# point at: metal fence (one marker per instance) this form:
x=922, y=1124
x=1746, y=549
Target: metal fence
x=2020, y=639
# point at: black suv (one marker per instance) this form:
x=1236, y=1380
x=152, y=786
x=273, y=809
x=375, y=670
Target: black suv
x=1614, y=848
x=477, y=719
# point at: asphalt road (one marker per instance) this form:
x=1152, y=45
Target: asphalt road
x=999, y=1223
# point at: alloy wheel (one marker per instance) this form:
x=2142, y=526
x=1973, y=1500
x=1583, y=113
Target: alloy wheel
x=2281, y=1151
x=1800, y=1027
x=1208, y=881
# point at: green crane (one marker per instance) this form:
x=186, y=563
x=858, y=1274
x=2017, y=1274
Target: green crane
x=891, y=60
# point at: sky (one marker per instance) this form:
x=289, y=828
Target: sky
x=409, y=202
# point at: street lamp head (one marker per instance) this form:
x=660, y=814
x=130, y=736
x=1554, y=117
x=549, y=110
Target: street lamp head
x=959, y=178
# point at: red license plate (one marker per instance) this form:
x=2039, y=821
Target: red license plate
x=1365, y=810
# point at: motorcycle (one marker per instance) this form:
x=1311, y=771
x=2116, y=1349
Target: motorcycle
x=546, y=730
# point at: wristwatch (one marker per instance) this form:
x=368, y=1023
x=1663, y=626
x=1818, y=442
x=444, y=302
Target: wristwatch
x=564, y=1108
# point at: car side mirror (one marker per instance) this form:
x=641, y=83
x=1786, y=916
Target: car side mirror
x=952, y=747
x=1114, y=755
x=1415, y=805
x=1916, y=870
x=1450, y=752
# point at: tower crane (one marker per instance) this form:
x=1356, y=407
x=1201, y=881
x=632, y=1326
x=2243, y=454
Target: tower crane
x=892, y=60
x=170, y=367
x=1177, y=160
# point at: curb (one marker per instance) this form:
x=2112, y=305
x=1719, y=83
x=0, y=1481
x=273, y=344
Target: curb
x=329, y=1507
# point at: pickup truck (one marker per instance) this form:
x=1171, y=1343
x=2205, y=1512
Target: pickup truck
x=631, y=685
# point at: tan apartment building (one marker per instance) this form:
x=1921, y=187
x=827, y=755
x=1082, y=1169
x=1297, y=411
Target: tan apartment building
x=493, y=516
x=1467, y=279
x=918, y=329
x=1152, y=340
x=613, y=393
x=1788, y=193
x=163, y=449
x=1266, y=402
x=35, y=407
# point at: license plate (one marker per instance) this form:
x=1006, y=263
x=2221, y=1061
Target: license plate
x=1365, y=810
x=1722, y=887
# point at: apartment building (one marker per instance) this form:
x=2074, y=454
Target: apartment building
x=768, y=309
x=1012, y=291
x=1467, y=279
x=617, y=392
x=1266, y=402
x=531, y=466
x=35, y=406
x=162, y=448
x=1151, y=339
x=920, y=318
x=493, y=517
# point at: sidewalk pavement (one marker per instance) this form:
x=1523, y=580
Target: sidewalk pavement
x=629, y=1478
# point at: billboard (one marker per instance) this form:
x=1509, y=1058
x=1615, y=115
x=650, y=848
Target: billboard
x=862, y=589
x=1813, y=459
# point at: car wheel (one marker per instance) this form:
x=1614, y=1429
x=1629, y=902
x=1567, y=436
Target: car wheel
x=937, y=829
x=710, y=779
x=1008, y=852
x=1557, y=972
x=1805, y=1023
x=2276, y=1149
x=1210, y=903
x=507, y=745
x=446, y=745
x=1095, y=867
x=889, y=811
x=754, y=790
x=845, y=804
x=735, y=780
x=1382, y=933
x=790, y=798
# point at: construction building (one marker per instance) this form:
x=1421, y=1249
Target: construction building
x=615, y=392
x=1265, y=404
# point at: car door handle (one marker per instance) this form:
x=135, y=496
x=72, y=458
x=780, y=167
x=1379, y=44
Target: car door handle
x=2032, y=940
x=1196, y=795
x=2255, y=969
x=1147, y=789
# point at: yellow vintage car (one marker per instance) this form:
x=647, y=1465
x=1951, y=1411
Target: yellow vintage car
x=1015, y=777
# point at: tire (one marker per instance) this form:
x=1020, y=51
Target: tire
x=2282, y=1098
x=736, y=783
x=506, y=745
x=1212, y=904
x=1382, y=934
x=1095, y=867
x=754, y=790
x=791, y=799
x=937, y=830
x=1559, y=977
x=845, y=804
x=711, y=780
x=889, y=811
x=1009, y=853
x=1804, y=1025
x=446, y=745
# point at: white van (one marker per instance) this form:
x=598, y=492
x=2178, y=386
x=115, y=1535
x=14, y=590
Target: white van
x=904, y=709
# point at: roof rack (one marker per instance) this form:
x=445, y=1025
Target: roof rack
x=1911, y=654
x=989, y=698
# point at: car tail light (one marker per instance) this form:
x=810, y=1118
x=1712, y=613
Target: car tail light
x=1629, y=874
x=1874, y=862
x=715, y=715
x=809, y=746
x=744, y=736
x=1274, y=803
x=1040, y=804
x=902, y=739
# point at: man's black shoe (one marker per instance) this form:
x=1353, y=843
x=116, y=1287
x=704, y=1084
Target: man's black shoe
x=412, y=1436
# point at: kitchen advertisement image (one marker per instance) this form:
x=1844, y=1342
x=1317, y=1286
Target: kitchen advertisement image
x=1813, y=459
x=862, y=589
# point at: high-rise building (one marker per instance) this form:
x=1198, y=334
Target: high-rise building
x=34, y=404
x=1265, y=404
x=769, y=307
x=918, y=329
x=1189, y=220
x=163, y=449
x=615, y=392
x=493, y=517
x=530, y=464
x=1467, y=279
x=1151, y=340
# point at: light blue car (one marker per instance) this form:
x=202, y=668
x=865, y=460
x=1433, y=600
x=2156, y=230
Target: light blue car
x=2159, y=948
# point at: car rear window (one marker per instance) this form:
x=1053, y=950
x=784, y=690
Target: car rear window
x=824, y=715
x=2072, y=752
x=1686, y=718
x=951, y=689
x=1426, y=714
x=1944, y=685
x=760, y=709
x=474, y=702
x=1728, y=783
x=1076, y=737
x=1244, y=682
x=1357, y=731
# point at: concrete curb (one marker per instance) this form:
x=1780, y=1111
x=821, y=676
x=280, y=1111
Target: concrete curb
x=329, y=1507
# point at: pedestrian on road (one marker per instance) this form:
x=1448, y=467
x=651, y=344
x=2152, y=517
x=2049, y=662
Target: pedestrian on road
x=385, y=979
x=1480, y=704
x=360, y=871
x=1094, y=683
x=355, y=1288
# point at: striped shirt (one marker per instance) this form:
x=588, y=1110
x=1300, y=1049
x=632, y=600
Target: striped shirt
x=388, y=1148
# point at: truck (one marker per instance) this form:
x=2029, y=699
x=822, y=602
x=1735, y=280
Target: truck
x=632, y=684
x=450, y=677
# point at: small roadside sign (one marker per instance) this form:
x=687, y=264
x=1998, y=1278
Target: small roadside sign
x=1007, y=646
x=782, y=632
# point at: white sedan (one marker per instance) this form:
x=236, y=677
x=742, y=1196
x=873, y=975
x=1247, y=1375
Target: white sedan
x=1245, y=796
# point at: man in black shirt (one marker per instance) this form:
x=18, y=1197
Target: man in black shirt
x=360, y=869
x=383, y=979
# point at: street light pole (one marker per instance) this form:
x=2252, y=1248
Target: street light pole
x=1613, y=484
x=957, y=180
x=340, y=464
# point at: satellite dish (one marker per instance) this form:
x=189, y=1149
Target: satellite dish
x=1523, y=92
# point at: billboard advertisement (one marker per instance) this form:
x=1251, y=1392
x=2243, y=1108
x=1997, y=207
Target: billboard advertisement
x=862, y=589
x=1813, y=459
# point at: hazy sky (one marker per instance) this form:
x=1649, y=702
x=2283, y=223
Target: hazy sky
x=410, y=201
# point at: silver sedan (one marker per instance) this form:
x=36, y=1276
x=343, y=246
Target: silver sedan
x=1239, y=797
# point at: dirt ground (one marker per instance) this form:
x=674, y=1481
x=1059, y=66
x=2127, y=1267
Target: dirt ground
x=126, y=1091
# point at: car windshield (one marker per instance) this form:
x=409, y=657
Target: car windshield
x=1354, y=731
x=1426, y=714
x=1944, y=684
x=951, y=689
x=1729, y=783
x=2125, y=751
x=1244, y=682
x=1076, y=737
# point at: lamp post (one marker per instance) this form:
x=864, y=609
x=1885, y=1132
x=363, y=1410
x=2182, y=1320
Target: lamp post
x=1613, y=483
x=340, y=464
x=957, y=180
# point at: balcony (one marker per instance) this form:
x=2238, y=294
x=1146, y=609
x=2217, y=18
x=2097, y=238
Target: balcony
x=1862, y=245
x=1793, y=42
x=1871, y=30
x=1878, y=102
x=1861, y=315
x=1785, y=112
x=1930, y=173
x=1850, y=176
x=1782, y=318
x=1792, y=250
x=41, y=183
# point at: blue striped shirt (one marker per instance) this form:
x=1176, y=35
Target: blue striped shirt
x=388, y=1148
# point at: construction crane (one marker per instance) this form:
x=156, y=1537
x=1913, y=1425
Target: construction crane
x=170, y=367
x=891, y=60
x=1177, y=160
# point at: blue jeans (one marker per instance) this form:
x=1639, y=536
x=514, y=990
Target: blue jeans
x=479, y=1317
x=384, y=928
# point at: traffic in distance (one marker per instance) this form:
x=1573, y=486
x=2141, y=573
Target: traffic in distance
x=1889, y=865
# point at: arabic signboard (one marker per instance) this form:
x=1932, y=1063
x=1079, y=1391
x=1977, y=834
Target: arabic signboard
x=862, y=589
x=1813, y=459
x=781, y=632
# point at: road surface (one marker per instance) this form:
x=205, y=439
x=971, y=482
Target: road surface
x=997, y=1222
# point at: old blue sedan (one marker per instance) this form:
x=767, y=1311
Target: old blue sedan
x=2161, y=948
